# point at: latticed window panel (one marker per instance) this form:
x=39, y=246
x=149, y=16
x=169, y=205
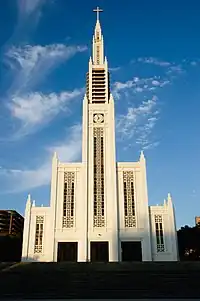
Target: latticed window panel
x=98, y=55
x=160, y=246
x=99, y=210
x=129, y=200
x=39, y=232
x=68, y=200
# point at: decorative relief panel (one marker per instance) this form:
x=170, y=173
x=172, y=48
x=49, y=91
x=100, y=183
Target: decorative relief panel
x=129, y=200
x=39, y=232
x=98, y=118
x=68, y=200
x=98, y=169
x=160, y=246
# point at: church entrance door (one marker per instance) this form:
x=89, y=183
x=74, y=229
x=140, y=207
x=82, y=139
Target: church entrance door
x=99, y=251
x=131, y=251
x=67, y=251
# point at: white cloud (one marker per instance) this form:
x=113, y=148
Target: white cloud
x=35, y=109
x=32, y=63
x=28, y=7
x=154, y=61
x=175, y=69
x=71, y=151
x=25, y=179
x=29, y=12
x=114, y=69
x=150, y=145
x=139, y=122
x=169, y=67
x=119, y=87
x=155, y=83
x=138, y=85
x=160, y=83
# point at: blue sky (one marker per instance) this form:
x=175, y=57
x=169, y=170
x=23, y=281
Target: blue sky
x=153, y=51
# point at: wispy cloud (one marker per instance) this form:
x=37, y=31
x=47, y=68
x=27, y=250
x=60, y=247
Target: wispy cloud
x=114, y=69
x=68, y=150
x=27, y=7
x=178, y=69
x=142, y=115
x=29, y=14
x=35, y=109
x=193, y=63
x=170, y=67
x=154, y=61
x=30, y=64
x=138, y=85
x=139, y=122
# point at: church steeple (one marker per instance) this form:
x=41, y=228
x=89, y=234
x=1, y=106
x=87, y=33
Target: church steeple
x=98, y=83
x=98, y=47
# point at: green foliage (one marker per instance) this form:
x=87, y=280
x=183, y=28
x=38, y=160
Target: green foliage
x=189, y=243
x=10, y=248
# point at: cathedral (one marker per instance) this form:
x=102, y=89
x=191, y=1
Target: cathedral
x=99, y=208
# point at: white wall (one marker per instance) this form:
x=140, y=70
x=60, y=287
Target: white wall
x=29, y=254
x=78, y=232
x=110, y=231
x=169, y=229
x=142, y=230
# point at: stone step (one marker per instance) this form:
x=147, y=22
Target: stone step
x=63, y=280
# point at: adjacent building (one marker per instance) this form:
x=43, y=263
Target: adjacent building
x=99, y=207
x=11, y=222
x=11, y=231
x=197, y=220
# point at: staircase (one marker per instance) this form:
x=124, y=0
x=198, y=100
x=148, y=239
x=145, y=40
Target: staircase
x=100, y=280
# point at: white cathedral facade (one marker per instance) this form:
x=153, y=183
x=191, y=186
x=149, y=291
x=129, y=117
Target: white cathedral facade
x=99, y=207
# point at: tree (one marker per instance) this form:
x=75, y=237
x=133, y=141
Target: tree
x=189, y=243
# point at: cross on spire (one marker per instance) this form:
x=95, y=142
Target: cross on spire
x=97, y=10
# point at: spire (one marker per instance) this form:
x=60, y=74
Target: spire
x=169, y=199
x=142, y=156
x=28, y=202
x=55, y=158
x=98, y=82
x=29, y=198
x=55, y=155
x=98, y=48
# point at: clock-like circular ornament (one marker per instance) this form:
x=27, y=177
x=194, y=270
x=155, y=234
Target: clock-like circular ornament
x=98, y=118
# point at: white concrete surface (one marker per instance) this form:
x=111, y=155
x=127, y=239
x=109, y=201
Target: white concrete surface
x=83, y=230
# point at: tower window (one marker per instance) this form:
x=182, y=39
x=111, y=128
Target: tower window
x=98, y=55
x=159, y=233
x=68, y=200
x=98, y=170
x=129, y=199
x=39, y=234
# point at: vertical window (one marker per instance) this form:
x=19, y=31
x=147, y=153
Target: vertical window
x=68, y=200
x=39, y=232
x=129, y=199
x=98, y=55
x=159, y=234
x=98, y=170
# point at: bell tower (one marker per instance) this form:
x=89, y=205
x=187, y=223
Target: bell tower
x=98, y=150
